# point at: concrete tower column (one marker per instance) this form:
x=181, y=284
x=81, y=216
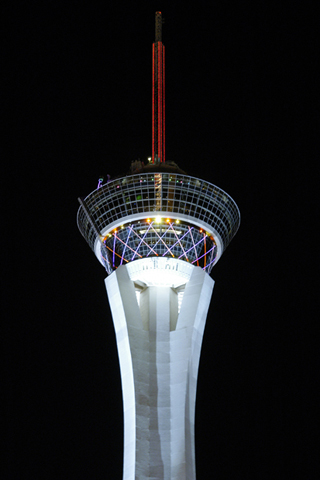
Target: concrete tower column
x=159, y=351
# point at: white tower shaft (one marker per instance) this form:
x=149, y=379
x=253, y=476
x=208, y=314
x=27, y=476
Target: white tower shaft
x=159, y=352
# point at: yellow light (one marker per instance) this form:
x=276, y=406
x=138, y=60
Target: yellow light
x=168, y=220
x=158, y=219
x=177, y=221
x=148, y=220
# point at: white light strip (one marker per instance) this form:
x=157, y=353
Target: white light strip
x=195, y=251
x=160, y=239
x=124, y=250
x=204, y=255
x=194, y=245
x=158, y=230
x=142, y=240
x=179, y=240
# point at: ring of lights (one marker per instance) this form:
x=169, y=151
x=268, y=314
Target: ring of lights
x=159, y=236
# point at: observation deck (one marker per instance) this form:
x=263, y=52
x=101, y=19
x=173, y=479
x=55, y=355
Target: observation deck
x=158, y=214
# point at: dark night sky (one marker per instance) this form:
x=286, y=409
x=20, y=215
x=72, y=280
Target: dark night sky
x=239, y=113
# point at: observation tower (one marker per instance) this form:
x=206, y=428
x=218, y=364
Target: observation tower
x=158, y=232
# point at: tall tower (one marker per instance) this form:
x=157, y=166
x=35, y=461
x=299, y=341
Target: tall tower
x=158, y=232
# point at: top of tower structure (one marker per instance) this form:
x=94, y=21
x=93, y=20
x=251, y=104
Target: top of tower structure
x=157, y=213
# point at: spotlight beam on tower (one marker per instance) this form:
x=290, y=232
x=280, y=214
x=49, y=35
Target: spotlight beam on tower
x=158, y=94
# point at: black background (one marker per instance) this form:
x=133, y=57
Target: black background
x=239, y=113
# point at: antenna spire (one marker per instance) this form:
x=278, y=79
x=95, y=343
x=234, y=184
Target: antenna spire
x=158, y=94
x=158, y=36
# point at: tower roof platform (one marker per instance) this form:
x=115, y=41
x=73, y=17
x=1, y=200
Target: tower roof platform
x=162, y=213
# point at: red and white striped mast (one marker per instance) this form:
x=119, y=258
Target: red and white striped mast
x=158, y=94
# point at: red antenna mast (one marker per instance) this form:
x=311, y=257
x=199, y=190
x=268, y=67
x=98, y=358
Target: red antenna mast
x=158, y=97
